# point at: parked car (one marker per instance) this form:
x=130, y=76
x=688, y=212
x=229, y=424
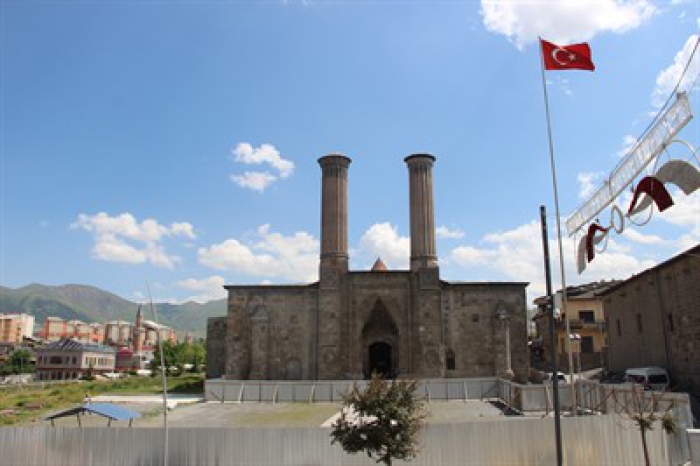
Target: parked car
x=652, y=378
x=612, y=378
x=563, y=378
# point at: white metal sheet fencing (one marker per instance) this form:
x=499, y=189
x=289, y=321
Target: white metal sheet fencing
x=694, y=441
x=587, y=440
x=592, y=397
x=333, y=390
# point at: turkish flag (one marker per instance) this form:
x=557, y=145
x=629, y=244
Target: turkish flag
x=566, y=57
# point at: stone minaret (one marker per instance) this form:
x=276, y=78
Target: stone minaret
x=137, y=333
x=420, y=180
x=334, y=212
x=328, y=358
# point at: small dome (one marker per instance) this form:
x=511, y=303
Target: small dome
x=379, y=266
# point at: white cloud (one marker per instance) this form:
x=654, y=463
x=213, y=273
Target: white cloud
x=182, y=229
x=637, y=237
x=265, y=154
x=207, y=289
x=257, y=181
x=588, y=183
x=292, y=257
x=668, y=78
x=123, y=239
x=685, y=212
x=445, y=233
x=110, y=248
x=517, y=255
x=566, y=21
x=383, y=240
x=468, y=256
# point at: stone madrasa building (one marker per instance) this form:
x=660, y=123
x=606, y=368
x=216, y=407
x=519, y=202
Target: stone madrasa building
x=405, y=323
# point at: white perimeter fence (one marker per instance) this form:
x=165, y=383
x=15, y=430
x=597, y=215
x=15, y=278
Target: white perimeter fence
x=694, y=441
x=587, y=440
x=310, y=391
x=592, y=397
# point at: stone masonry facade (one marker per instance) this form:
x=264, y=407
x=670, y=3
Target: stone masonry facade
x=654, y=320
x=406, y=323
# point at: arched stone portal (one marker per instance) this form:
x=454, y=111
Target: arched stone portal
x=380, y=359
x=380, y=340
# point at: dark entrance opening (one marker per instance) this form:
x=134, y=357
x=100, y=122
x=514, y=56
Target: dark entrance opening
x=380, y=359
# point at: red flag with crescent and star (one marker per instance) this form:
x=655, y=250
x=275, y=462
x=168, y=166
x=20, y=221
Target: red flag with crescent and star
x=566, y=57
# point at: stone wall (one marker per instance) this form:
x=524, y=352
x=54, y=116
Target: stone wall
x=216, y=347
x=434, y=328
x=476, y=337
x=270, y=330
x=658, y=316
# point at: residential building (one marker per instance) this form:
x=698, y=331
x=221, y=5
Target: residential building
x=586, y=323
x=654, y=319
x=55, y=329
x=97, y=333
x=150, y=335
x=14, y=327
x=78, y=330
x=118, y=332
x=69, y=359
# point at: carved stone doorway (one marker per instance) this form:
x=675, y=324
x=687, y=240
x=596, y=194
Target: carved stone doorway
x=380, y=343
x=380, y=359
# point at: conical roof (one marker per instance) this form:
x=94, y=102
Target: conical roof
x=379, y=266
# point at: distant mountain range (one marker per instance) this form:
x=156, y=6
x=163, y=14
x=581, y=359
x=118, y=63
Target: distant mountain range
x=91, y=304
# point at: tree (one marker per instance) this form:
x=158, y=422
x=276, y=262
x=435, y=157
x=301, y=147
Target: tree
x=198, y=356
x=644, y=409
x=20, y=363
x=384, y=420
x=179, y=354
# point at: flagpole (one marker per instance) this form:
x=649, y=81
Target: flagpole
x=564, y=300
x=164, y=377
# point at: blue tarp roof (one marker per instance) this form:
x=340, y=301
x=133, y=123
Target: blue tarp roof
x=108, y=410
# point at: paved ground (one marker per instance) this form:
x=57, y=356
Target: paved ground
x=214, y=414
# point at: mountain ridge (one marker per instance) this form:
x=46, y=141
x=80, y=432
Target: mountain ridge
x=91, y=304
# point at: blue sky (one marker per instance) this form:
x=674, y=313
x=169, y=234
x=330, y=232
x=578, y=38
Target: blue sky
x=175, y=143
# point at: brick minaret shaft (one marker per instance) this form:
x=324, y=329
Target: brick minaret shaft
x=334, y=211
x=420, y=181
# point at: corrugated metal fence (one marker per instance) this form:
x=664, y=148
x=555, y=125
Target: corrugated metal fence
x=592, y=397
x=589, y=440
x=275, y=391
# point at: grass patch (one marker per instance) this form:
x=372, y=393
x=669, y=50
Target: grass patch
x=287, y=415
x=14, y=401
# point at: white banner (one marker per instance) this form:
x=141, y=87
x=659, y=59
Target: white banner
x=643, y=153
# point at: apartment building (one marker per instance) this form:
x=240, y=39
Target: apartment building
x=15, y=327
x=587, y=324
